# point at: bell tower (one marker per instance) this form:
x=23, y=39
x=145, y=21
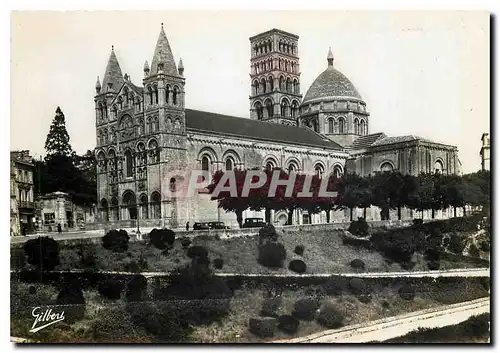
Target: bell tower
x=275, y=77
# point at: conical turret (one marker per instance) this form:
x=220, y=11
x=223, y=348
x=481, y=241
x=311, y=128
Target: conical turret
x=181, y=68
x=98, y=86
x=163, y=56
x=113, y=77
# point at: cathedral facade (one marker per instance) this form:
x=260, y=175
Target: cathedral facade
x=144, y=132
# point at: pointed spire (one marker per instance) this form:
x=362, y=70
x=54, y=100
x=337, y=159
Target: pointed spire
x=113, y=77
x=181, y=67
x=329, y=58
x=163, y=54
x=146, y=66
x=98, y=86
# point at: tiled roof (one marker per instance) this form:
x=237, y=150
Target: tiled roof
x=113, y=74
x=397, y=139
x=163, y=54
x=242, y=127
x=331, y=83
x=366, y=141
x=136, y=88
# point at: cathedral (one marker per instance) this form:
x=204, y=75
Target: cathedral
x=145, y=131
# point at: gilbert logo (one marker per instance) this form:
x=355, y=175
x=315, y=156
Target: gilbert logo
x=45, y=318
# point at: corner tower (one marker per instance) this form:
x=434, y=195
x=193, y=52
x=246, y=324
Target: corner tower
x=275, y=77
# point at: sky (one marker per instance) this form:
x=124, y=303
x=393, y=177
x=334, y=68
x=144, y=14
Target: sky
x=420, y=73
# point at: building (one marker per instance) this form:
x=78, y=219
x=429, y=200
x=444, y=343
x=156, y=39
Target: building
x=22, y=173
x=144, y=131
x=58, y=208
x=485, y=152
x=15, y=228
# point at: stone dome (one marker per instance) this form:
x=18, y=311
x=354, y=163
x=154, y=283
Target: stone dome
x=329, y=84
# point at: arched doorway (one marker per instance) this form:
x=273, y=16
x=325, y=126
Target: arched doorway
x=115, y=215
x=129, y=202
x=156, y=205
x=386, y=167
x=104, y=210
x=438, y=167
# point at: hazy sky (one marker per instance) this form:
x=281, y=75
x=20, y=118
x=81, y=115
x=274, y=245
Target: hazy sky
x=421, y=73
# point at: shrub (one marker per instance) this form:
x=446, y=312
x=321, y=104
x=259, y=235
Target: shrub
x=272, y=254
x=485, y=282
x=262, y=326
x=364, y=298
x=268, y=232
x=111, y=288
x=116, y=240
x=206, y=296
x=270, y=307
x=316, y=293
x=418, y=222
x=456, y=243
x=297, y=266
x=132, y=266
x=42, y=253
x=17, y=258
x=398, y=245
x=218, y=263
x=385, y=304
x=330, y=316
x=197, y=252
x=185, y=242
x=165, y=321
x=88, y=257
x=477, y=326
x=357, y=286
x=407, y=292
x=335, y=286
x=358, y=264
x=305, y=309
x=433, y=265
x=72, y=301
x=135, y=288
x=359, y=228
x=162, y=238
x=288, y=324
x=433, y=245
x=473, y=250
x=299, y=250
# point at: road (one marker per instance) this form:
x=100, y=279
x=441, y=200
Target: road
x=63, y=236
x=397, y=326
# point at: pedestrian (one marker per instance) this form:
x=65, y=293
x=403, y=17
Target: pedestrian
x=59, y=229
x=187, y=226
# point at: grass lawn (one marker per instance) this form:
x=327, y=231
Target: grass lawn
x=324, y=253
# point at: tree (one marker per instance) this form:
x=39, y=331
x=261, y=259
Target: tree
x=227, y=202
x=57, y=141
x=356, y=193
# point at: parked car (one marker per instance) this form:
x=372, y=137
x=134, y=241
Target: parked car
x=201, y=226
x=254, y=223
x=217, y=225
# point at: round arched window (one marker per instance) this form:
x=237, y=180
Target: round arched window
x=337, y=171
x=438, y=167
x=386, y=167
x=229, y=164
x=205, y=163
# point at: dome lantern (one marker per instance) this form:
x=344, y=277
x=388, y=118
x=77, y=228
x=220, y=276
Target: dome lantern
x=329, y=58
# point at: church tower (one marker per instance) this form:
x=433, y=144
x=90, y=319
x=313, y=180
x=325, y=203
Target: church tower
x=275, y=77
x=166, y=120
